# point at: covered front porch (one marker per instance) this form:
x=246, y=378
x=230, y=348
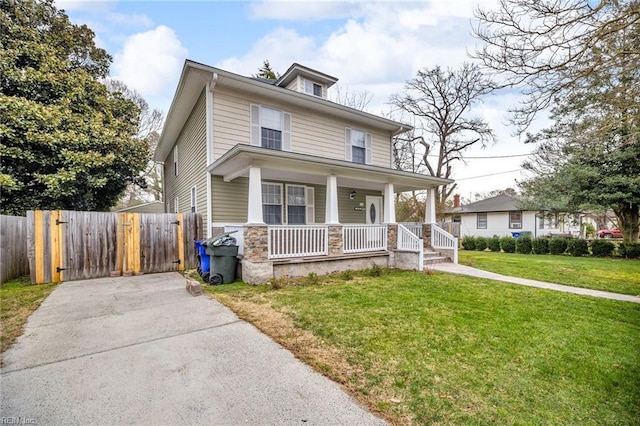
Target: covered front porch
x=339, y=215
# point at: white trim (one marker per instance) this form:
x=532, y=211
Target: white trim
x=254, y=202
x=430, y=208
x=331, y=208
x=389, y=204
x=209, y=207
x=193, y=198
x=176, y=205
x=175, y=159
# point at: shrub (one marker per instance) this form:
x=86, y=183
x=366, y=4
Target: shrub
x=347, y=275
x=557, y=245
x=313, y=279
x=540, y=245
x=579, y=247
x=508, y=244
x=602, y=248
x=629, y=250
x=469, y=243
x=494, y=243
x=523, y=244
x=481, y=243
x=375, y=270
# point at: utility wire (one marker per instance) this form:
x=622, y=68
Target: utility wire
x=490, y=157
x=491, y=174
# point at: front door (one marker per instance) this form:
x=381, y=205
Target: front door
x=374, y=210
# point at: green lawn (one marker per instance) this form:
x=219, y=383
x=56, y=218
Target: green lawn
x=609, y=274
x=18, y=299
x=443, y=349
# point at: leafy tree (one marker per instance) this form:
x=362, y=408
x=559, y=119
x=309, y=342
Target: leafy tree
x=148, y=186
x=66, y=141
x=265, y=71
x=440, y=101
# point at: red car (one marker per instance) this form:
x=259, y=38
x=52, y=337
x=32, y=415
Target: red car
x=610, y=233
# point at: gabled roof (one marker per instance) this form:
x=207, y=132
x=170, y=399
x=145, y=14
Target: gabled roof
x=499, y=203
x=194, y=79
x=297, y=69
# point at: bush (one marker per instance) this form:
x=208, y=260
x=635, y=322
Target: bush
x=540, y=245
x=579, y=247
x=602, y=248
x=629, y=250
x=494, y=244
x=481, y=243
x=523, y=244
x=508, y=244
x=557, y=245
x=347, y=275
x=469, y=243
x=375, y=270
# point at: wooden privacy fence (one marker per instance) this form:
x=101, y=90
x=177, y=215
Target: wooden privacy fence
x=13, y=247
x=69, y=245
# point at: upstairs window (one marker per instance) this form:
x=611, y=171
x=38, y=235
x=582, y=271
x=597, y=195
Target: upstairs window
x=312, y=88
x=270, y=128
x=482, y=221
x=515, y=220
x=357, y=146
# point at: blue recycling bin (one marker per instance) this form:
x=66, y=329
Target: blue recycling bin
x=205, y=260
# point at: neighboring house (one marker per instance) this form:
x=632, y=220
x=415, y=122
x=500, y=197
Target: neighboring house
x=501, y=215
x=150, y=207
x=308, y=183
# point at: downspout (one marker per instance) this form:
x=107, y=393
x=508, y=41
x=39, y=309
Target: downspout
x=211, y=84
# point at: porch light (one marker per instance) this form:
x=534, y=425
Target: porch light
x=352, y=196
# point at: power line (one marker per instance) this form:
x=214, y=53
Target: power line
x=491, y=174
x=489, y=157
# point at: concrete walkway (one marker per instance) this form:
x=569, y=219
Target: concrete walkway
x=473, y=272
x=141, y=350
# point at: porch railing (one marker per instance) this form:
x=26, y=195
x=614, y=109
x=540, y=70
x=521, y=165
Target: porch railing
x=414, y=227
x=441, y=239
x=297, y=241
x=409, y=241
x=364, y=238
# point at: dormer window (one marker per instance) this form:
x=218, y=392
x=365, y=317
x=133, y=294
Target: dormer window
x=312, y=88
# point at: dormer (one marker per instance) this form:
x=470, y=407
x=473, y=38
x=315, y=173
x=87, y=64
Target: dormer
x=306, y=80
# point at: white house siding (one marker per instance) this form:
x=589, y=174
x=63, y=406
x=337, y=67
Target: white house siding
x=310, y=134
x=192, y=158
x=497, y=224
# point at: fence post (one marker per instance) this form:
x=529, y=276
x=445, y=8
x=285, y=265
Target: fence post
x=55, y=229
x=180, y=243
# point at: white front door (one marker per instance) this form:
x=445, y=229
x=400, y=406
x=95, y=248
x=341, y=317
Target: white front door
x=374, y=210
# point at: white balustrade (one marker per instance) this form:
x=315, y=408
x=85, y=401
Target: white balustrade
x=297, y=241
x=409, y=241
x=364, y=238
x=441, y=239
x=414, y=227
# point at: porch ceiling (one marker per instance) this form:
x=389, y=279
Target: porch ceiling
x=289, y=166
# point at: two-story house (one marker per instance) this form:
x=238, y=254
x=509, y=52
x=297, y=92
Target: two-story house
x=307, y=182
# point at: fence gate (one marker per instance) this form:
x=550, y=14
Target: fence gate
x=70, y=245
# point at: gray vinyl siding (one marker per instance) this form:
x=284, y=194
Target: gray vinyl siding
x=192, y=158
x=310, y=134
x=347, y=208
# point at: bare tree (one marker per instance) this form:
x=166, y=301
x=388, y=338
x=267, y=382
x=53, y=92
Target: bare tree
x=549, y=48
x=440, y=101
x=149, y=185
x=357, y=99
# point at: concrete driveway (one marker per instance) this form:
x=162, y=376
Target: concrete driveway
x=141, y=350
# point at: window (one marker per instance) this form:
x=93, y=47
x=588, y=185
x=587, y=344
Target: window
x=270, y=128
x=482, y=221
x=313, y=88
x=175, y=160
x=296, y=205
x=358, y=146
x=176, y=208
x=515, y=220
x=272, y=203
x=193, y=199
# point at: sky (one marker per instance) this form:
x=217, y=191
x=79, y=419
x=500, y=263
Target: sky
x=368, y=45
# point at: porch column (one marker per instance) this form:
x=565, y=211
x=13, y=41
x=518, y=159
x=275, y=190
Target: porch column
x=254, y=205
x=430, y=210
x=331, y=209
x=389, y=204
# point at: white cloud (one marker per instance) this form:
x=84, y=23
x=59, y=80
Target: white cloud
x=303, y=10
x=150, y=62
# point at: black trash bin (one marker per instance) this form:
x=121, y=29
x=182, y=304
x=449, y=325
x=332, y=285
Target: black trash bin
x=223, y=253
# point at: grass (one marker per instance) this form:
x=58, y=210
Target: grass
x=608, y=274
x=18, y=299
x=442, y=349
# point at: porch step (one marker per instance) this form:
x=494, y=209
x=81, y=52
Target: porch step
x=433, y=257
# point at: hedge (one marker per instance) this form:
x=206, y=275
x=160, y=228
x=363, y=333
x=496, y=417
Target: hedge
x=557, y=245
x=469, y=243
x=540, y=245
x=578, y=247
x=481, y=243
x=494, y=244
x=523, y=244
x=629, y=250
x=508, y=244
x=602, y=248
